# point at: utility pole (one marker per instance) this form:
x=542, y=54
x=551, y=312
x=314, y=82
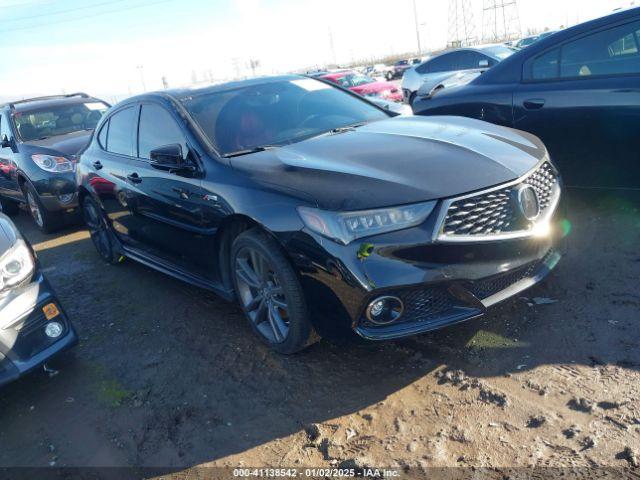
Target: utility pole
x=461, y=25
x=500, y=20
x=140, y=69
x=415, y=19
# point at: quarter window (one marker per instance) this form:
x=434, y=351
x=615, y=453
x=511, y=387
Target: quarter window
x=4, y=128
x=121, y=128
x=102, y=137
x=157, y=129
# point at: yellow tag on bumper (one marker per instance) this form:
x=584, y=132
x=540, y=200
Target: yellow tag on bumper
x=50, y=311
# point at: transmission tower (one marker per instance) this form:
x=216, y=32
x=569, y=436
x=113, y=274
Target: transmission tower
x=462, y=29
x=500, y=21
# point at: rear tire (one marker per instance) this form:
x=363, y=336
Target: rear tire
x=100, y=232
x=46, y=221
x=270, y=293
x=9, y=207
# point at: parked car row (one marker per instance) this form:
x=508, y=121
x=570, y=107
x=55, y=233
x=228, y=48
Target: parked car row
x=578, y=90
x=317, y=209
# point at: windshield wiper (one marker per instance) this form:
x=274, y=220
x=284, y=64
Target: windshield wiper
x=346, y=128
x=248, y=151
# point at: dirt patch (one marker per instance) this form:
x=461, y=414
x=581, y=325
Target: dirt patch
x=170, y=376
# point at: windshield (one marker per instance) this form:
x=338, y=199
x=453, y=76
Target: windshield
x=38, y=124
x=500, y=51
x=275, y=113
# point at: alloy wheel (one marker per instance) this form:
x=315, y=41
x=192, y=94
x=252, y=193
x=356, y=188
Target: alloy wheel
x=97, y=230
x=262, y=295
x=34, y=208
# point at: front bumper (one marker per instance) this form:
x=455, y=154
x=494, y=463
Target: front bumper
x=440, y=284
x=58, y=193
x=24, y=346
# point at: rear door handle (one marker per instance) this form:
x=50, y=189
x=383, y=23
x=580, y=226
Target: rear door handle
x=134, y=178
x=97, y=165
x=534, y=103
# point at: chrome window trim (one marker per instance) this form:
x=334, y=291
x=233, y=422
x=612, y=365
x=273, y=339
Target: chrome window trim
x=441, y=237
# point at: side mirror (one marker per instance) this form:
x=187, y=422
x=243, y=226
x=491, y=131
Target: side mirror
x=483, y=64
x=170, y=158
x=6, y=143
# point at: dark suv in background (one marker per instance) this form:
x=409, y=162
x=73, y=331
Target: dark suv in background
x=39, y=139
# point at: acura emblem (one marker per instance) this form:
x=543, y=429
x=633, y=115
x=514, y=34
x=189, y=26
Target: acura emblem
x=527, y=201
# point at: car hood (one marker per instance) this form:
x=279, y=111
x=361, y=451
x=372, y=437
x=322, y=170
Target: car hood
x=8, y=234
x=69, y=144
x=397, y=161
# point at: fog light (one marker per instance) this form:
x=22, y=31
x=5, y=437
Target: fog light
x=384, y=310
x=53, y=329
x=65, y=198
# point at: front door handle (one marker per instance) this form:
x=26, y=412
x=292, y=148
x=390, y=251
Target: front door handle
x=134, y=178
x=97, y=165
x=534, y=103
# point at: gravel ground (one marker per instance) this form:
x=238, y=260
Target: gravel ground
x=170, y=376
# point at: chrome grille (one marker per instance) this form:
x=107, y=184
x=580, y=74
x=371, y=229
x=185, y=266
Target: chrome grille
x=493, y=212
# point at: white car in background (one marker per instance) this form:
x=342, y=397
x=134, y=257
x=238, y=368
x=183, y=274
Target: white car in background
x=437, y=69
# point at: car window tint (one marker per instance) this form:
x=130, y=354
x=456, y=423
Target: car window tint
x=424, y=68
x=121, y=128
x=469, y=60
x=444, y=63
x=102, y=136
x=610, y=52
x=545, y=67
x=158, y=129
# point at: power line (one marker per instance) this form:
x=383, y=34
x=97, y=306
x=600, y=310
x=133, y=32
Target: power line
x=108, y=12
x=62, y=12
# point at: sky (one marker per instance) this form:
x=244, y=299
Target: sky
x=115, y=48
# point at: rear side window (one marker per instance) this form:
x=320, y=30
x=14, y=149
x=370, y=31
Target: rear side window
x=444, y=63
x=611, y=52
x=158, y=129
x=121, y=132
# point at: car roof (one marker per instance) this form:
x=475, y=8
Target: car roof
x=182, y=93
x=510, y=69
x=50, y=101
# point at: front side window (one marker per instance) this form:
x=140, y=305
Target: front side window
x=545, y=67
x=610, y=52
x=275, y=113
x=63, y=119
x=121, y=132
x=157, y=129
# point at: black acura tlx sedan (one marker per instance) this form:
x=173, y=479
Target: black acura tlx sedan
x=319, y=211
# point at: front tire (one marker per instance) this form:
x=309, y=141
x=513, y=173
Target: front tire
x=101, y=236
x=270, y=293
x=46, y=221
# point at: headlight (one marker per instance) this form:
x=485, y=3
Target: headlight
x=345, y=227
x=16, y=266
x=53, y=164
